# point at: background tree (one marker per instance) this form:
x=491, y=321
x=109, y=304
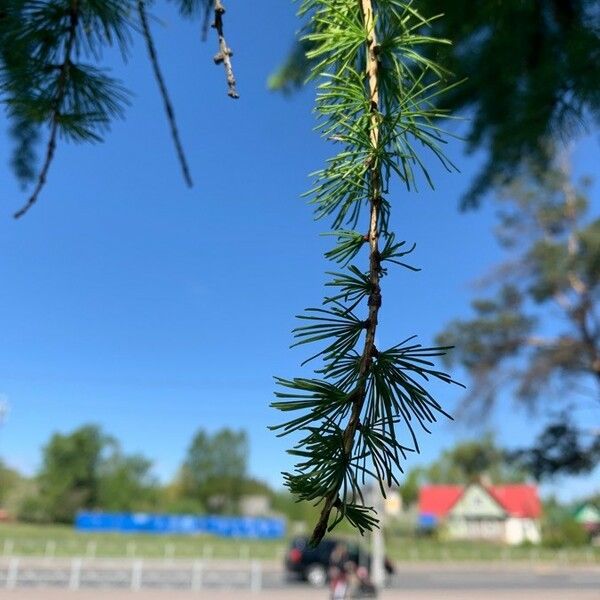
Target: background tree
x=174, y=499
x=9, y=480
x=126, y=483
x=561, y=448
x=559, y=527
x=86, y=469
x=68, y=479
x=539, y=336
x=215, y=468
x=410, y=486
x=473, y=460
x=530, y=73
x=468, y=461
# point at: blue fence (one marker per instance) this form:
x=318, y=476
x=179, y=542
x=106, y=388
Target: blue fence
x=233, y=527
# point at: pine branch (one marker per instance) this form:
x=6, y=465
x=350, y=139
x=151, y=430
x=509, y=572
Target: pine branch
x=369, y=350
x=152, y=54
x=55, y=115
x=225, y=53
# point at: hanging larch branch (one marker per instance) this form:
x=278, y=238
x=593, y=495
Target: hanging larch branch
x=164, y=92
x=374, y=300
x=373, y=97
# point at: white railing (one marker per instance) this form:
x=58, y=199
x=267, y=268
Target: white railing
x=137, y=574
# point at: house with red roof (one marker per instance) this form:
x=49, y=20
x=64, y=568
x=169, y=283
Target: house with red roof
x=500, y=513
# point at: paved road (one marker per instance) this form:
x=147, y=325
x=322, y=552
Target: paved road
x=413, y=582
x=488, y=577
x=304, y=594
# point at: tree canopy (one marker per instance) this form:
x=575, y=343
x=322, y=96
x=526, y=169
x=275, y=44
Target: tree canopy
x=514, y=340
x=468, y=461
x=553, y=246
x=126, y=483
x=215, y=469
x=472, y=460
x=9, y=478
x=86, y=469
x=68, y=479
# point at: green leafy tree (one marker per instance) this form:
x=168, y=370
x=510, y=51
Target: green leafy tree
x=68, y=479
x=468, y=461
x=539, y=336
x=473, y=460
x=54, y=85
x=86, y=469
x=410, y=485
x=374, y=101
x=559, y=527
x=9, y=480
x=561, y=447
x=215, y=468
x=531, y=73
x=126, y=483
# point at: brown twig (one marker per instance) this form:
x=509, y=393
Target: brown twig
x=369, y=351
x=225, y=53
x=60, y=92
x=164, y=93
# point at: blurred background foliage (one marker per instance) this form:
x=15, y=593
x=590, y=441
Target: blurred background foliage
x=95, y=474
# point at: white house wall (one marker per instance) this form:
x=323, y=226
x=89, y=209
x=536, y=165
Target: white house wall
x=518, y=531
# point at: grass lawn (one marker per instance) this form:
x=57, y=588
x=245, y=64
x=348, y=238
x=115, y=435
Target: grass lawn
x=56, y=540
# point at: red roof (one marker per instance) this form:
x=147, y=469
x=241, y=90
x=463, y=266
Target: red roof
x=518, y=500
x=438, y=499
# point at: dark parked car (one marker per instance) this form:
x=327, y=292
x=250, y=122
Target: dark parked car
x=312, y=564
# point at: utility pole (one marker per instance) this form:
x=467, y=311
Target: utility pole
x=378, y=542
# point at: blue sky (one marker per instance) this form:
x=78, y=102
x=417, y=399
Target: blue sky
x=153, y=310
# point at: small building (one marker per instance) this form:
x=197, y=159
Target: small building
x=255, y=505
x=392, y=505
x=589, y=517
x=497, y=513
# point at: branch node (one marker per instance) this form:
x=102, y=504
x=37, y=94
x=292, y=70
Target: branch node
x=225, y=53
x=375, y=299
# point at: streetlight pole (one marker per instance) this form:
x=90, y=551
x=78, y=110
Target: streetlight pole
x=378, y=542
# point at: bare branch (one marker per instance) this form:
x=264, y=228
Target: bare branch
x=225, y=53
x=164, y=92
